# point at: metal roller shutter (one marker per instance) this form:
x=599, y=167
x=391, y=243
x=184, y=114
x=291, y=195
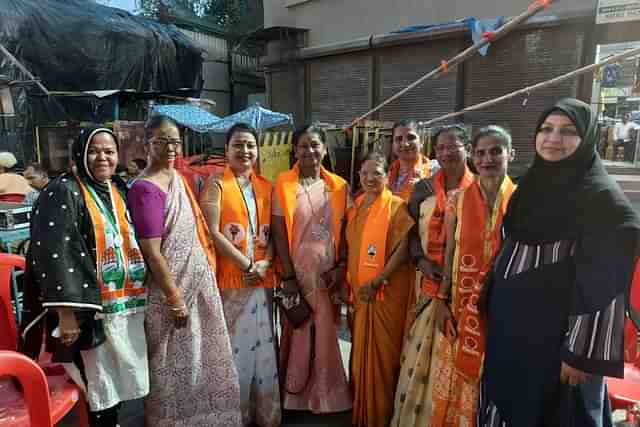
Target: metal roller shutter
x=282, y=92
x=519, y=60
x=401, y=66
x=339, y=88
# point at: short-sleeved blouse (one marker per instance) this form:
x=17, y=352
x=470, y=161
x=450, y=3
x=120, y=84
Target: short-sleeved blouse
x=147, y=205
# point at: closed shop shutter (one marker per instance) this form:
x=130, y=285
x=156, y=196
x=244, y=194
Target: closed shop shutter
x=522, y=59
x=282, y=92
x=401, y=66
x=339, y=88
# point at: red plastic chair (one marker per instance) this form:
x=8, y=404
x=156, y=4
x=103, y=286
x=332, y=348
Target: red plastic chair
x=8, y=329
x=44, y=400
x=12, y=197
x=625, y=393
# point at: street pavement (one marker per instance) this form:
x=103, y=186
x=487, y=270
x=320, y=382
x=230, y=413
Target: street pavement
x=132, y=413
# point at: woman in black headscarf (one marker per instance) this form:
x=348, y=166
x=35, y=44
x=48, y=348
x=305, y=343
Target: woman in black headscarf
x=558, y=292
x=85, y=279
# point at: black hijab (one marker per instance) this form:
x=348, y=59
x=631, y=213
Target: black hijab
x=81, y=159
x=572, y=197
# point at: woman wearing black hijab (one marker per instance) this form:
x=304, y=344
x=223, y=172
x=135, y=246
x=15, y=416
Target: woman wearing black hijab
x=85, y=281
x=558, y=292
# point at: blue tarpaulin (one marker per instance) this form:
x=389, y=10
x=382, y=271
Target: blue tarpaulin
x=256, y=116
x=476, y=26
x=189, y=116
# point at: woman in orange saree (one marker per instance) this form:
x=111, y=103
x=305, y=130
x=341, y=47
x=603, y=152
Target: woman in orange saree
x=452, y=363
x=379, y=275
x=410, y=167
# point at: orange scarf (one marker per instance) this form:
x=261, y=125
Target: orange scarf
x=475, y=250
x=421, y=170
x=436, y=232
x=201, y=225
x=287, y=185
x=235, y=225
x=130, y=252
x=373, y=248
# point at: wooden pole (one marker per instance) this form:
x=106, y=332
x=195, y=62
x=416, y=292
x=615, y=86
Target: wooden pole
x=533, y=9
x=23, y=68
x=541, y=85
x=354, y=145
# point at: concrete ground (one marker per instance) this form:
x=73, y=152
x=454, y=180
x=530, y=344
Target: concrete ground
x=132, y=413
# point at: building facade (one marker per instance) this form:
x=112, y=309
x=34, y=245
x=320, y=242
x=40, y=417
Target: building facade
x=330, y=60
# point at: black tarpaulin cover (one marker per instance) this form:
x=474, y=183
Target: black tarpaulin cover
x=76, y=45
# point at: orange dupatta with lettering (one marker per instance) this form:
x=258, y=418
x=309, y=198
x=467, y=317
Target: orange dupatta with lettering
x=372, y=251
x=421, y=170
x=475, y=249
x=434, y=241
x=234, y=224
x=287, y=185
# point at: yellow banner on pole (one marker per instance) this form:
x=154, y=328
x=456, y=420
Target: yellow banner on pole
x=274, y=153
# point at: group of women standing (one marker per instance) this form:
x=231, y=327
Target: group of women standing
x=521, y=292
x=473, y=302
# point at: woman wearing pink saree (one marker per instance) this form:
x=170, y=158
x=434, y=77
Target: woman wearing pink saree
x=309, y=207
x=193, y=380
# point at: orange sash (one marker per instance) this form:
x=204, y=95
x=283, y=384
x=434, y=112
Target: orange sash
x=421, y=170
x=435, y=239
x=475, y=250
x=201, y=225
x=130, y=252
x=373, y=249
x=234, y=224
x=287, y=185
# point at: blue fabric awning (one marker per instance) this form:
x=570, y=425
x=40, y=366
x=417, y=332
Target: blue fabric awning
x=476, y=26
x=255, y=116
x=188, y=116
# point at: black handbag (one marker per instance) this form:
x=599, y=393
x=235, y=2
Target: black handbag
x=295, y=308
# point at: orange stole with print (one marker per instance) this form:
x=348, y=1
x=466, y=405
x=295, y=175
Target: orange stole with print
x=101, y=246
x=202, y=230
x=234, y=224
x=475, y=249
x=287, y=185
x=373, y=249
x=434, y=241
x=421, y=170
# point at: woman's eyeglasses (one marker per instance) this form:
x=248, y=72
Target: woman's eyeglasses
x=164, y=141
x=441, y=149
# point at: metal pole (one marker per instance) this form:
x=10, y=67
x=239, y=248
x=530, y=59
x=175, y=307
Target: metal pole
x=533, y=9
x=530, y=89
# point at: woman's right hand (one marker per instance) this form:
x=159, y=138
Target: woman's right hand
x=430, y=269
x=444, y=319
x=289, y=287
x=69, y=328
x=177, y=309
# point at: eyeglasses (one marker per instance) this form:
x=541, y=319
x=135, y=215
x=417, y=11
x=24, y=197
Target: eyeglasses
x=492, y=152
x=441, y=149
x=165, y=141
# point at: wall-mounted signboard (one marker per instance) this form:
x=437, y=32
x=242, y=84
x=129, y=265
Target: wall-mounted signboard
x=610, y=11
